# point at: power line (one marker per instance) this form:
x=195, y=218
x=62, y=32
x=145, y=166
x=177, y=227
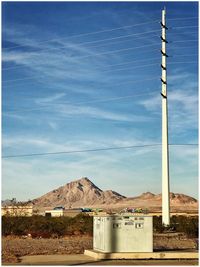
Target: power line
x=127, y=82
x=183, y=18
x=102, y=40
x=32, y=77
x=184, y=27
x=85, y=102
x=181, y=34
x=10, y=68
x=98, y=54
x=133, y=61
x=93, y=54
x=101, y=31
x=118, y=84
x=125, y=63
x=185, y=62
x=85, y=34
x=177, y=55
x=92, y=150
x=128, y=68
x=128, y=40
x=193, y=46
x=172, y=42
x=101, y=100
x=61, y=48
x=119, y=37
x=134, y=67
x=17, y=67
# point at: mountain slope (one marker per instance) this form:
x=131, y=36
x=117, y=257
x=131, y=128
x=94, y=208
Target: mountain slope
x=83, y=193
x=78, y=193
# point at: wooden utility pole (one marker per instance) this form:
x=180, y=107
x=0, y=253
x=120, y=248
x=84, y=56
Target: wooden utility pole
x=165, y=146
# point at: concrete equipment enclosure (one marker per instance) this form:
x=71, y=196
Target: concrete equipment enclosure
x=123, y=233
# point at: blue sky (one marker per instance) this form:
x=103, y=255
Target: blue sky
x=84, y=75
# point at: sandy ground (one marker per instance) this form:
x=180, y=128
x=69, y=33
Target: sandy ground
x=80, y=259
x=13, y=248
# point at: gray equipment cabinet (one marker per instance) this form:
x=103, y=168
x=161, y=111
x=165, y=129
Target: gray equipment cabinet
x=120, y=233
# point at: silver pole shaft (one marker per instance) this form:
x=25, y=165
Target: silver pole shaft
x=165, y=147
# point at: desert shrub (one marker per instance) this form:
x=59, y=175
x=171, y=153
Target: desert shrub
x=14, y=225
x=84, y=223
x=7, y=226
x=187, y=225
x=157, y=224
x=183, y=224
x=40, y=226
x=81, y=224
x=49, y=226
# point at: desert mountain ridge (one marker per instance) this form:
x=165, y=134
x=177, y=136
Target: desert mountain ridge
x=84, y=193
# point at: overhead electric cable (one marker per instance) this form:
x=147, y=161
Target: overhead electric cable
x=136, y=38
x=133, y=61
x=183, y=18
x=44, y=106
x=118, y=84
x=137, y=60
x=127, y=62
x=130, y=68
x=184, y=47
x=177, y=55
x=96, y=41
x=91, y=150
x=105, y=71
x=38, y=53
x=98, y=54
x=185, y=62
x=84, y=102
x=184, y=27
x=84, y=34
x=172, y=42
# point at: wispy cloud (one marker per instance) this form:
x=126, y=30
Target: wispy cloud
x=49, y=145
x=57, y=109
x=182, y=101
x=98, y=113
x=102, y=168
x=50, y=99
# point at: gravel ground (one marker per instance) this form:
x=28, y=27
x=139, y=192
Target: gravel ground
x=13, y=248
x=174, y=241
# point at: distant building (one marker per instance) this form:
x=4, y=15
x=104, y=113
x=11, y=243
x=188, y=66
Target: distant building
x=16, y=210
x=62, y=212
x=54, y=213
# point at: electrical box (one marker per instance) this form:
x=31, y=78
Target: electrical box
x=121, y=233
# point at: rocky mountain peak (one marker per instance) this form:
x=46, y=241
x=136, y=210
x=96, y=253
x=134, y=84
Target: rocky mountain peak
x=83, y=193
x=78, y=193
x=85, y=182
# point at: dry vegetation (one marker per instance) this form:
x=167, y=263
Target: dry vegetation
x=74, y=235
